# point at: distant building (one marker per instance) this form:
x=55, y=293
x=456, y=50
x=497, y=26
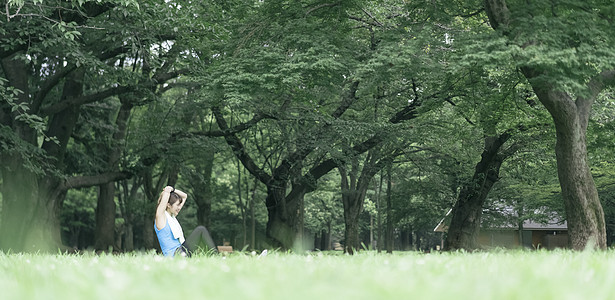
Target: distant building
x=535, y=235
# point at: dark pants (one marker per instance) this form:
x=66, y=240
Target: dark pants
x=198, y=238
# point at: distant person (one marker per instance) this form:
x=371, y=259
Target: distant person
x=169, y=231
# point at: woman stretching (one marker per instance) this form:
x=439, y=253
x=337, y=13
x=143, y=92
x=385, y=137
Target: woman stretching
x=169, y=232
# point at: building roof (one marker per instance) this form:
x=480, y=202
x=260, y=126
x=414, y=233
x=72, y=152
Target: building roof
x=553, y=224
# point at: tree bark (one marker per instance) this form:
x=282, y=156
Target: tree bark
x=253, y=216
x=202, y=190
x=389, y=213
x=405, y=239
x=466, y=216
x=29, y=211
x=105, y=218
x=105, y=209
x=584, y=213
x=280, y=221
x=379, y=235
x=128, y=209
x=152, y=191
x=31, y=201
x=353, y=197
x=354, y=188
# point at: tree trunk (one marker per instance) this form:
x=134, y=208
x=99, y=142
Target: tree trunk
x=16, y=71
x=105, y=218
x=379, y=235
x=520, y=221
x=253, y=216
x=323, y=240
x=299, y=225
x=148, y=232
x=371, y=232
x=29, y=211
x=389, y=213
x=351, y=225
x=20, y=198
x=466, y=216
x=129, y=244
x=200, y=183
x=127, y=202
x=584, y=214
x=282, y=215
x=243, y=206
x=152, y=191
x=203, y=212
x=419, y=240
x=405, y=239
x=354, y=189
x=353, y=197
x=31, y=201
x=105, y=210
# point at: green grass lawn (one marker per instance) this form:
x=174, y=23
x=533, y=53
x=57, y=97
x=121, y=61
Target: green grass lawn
x=367, y=275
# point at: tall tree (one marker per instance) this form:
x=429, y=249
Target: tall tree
x=316, y=77
x=499, y=121
x=105, y=210
x=354, y=184
x=299, y=68
x=37, y=43
x=466, y=216
x=55, y=58
x=565, y=50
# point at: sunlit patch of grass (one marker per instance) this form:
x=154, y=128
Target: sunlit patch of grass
x=366, y=275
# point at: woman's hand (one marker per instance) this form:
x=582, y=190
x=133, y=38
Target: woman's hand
x=168, y=189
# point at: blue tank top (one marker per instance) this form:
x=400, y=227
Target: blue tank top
x=168, y=244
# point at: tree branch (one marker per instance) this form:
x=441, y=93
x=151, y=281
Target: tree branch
x=87, y=181
x=239, y=149
x=472, y=14
x=163, y=77
x=321, y=6
x=282, y=171
x=229, y=131
x=347, y=100
x=53, y=109
x=48, y=85
x=113, y=91
x=308, y=182
x=595, y=85
x=365, y=21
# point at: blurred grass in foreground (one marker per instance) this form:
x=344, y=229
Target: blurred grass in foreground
x=367, y=275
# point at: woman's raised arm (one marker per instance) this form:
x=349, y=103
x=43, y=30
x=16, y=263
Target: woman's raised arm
x=163, y=200
x=182, y=195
